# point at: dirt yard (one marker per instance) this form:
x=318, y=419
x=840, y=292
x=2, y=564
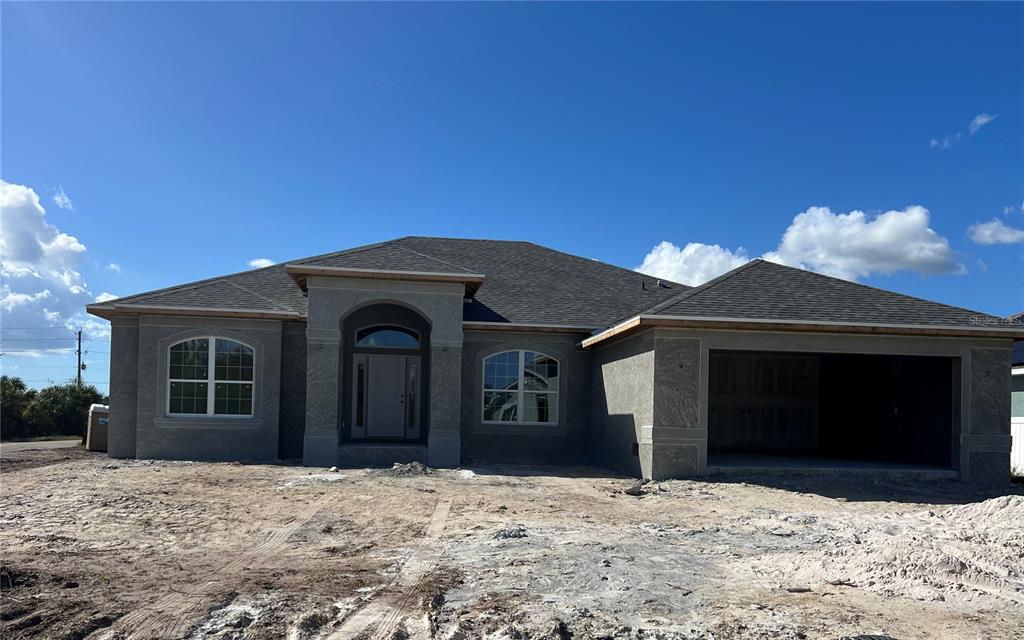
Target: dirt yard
x=100, y=548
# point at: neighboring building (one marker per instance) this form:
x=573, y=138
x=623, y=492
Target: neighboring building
x=1017, y=406
x=451, y=351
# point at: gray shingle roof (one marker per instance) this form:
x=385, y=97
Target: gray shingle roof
x=525, y=283
x=530, y=284
x=762, y=290
x=389, y=256
x=269, y=288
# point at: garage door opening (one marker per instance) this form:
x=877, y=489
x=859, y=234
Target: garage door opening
x=779, y=409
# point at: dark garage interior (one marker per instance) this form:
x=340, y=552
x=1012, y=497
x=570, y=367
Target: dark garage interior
x=774, y=407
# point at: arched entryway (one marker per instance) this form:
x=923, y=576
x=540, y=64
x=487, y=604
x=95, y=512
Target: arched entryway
x=384, y=374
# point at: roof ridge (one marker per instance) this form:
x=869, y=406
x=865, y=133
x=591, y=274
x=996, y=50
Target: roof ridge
x=260, y=296
x=343, y=252
x=685, y=295
x=879, y=289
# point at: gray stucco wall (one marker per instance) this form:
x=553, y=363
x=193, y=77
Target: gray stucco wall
x=331, y=300
x=679, y=426
x=201, y=437
x=564, y=443
x=292, y=421
x=124, y=387
x=622, y=401
x=986, y=441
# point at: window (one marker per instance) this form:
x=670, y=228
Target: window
x=211, y=382
x=520, y=387
x=387, y=338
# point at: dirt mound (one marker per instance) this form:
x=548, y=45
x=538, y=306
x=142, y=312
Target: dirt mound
x=510, y=532
x=1004, y=511
x=409, y=470
x=966, y=552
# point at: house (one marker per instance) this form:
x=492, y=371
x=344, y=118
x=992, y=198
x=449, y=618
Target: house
x=1017, y=406
x=450, y=351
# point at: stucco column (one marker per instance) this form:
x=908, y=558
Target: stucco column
x=985, y=442
x=320, y=442
x=676, y=445
x=444, y=439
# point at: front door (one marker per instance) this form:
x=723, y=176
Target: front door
x=386, y=397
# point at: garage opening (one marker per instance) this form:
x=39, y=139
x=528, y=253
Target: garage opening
x=781, y=409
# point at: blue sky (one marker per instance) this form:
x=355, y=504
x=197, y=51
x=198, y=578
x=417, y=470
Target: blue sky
x=190, y=139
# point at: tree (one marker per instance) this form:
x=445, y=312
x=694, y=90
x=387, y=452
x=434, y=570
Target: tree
x=62, y=409
x=15, y=397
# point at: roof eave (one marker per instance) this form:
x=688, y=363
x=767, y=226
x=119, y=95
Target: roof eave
x=108, y=311
x=470, y=325
x=748, y=324
x=301, y=272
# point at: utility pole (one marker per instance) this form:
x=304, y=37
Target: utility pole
x=78, y=371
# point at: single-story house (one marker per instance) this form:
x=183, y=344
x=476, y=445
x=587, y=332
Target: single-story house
x=1017, y=406
x=452, y=351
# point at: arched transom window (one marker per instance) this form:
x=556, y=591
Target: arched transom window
x=387, y=337
x=210, y=376
x=520, y=387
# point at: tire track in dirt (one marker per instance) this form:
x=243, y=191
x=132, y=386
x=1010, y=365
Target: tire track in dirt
x=171, y=615
x=381, y=616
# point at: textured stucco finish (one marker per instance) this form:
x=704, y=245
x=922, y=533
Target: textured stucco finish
x=990, y=391
x=201, y=437
x=650, y=389
x=677, y=382
x=331, y=300
x=637, y=404
x=292, y=422
x=444, y=443
x=989, y=468
x=564, y=443
x=124, y=387
x=622, y=402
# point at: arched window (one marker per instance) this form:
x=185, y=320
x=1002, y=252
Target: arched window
x=387, y=337
x=520, y=387
x=207, y=381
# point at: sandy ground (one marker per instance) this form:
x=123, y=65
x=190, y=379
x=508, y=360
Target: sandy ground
x=100, y=548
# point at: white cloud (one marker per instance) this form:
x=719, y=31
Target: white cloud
x=845, y=245
x=62, y=200
x=1007, y=210
x=113, y=266
x=693, y=264
x=257, y=263
x=979, y=121
x=855, y=245
x=946, y=141
x=42, y=286
x=105, y=296
x=995, y=232
x=950, y=139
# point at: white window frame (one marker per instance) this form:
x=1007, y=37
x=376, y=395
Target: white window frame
x=520, y=390
x=211, y=381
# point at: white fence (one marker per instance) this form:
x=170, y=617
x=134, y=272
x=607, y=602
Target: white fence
x=1017, y=451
